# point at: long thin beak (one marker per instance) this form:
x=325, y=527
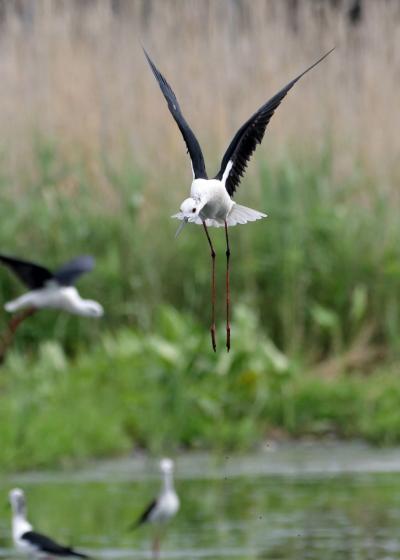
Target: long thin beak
x=181, y=226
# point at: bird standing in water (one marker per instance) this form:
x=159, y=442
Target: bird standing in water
x=162, y=508
x=29, y=542
x=210, y=203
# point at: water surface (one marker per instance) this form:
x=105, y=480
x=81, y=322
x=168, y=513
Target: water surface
x=292, y=501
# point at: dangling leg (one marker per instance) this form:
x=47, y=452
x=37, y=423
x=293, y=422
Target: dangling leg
x=11, y=330
x=228, y=291
x=212, y=329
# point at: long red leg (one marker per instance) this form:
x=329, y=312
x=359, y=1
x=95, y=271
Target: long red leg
x=228, y=292
x=212, y=329
x=12, y=327
x=156, y=547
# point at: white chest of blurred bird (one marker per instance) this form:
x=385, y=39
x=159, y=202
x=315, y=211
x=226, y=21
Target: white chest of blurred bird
x=29, y=542
x=210, y=203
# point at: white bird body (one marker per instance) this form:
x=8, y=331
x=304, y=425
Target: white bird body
x=53, y=296
x=218, y=203
x=20, y=526
x=167, y=506
x=211, y=204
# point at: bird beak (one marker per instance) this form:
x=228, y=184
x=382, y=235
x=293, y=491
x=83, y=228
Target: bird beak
x=181, y=226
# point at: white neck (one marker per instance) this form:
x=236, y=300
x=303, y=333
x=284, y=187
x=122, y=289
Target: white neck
x=75, y=304
x=81, y=305
x=75, y=298
x=20, y=525
x=168, y=484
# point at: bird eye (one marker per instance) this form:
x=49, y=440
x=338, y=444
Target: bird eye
x=193, y=209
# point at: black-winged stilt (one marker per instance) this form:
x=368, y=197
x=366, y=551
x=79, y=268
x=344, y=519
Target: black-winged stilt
x=210, y=203
x=163, y=507
x=47, y=289
x=28, y=541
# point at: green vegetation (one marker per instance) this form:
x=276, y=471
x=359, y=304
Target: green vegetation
x=322, y=269
x=166, y=390
x=315, y=295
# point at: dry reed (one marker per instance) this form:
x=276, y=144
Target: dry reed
x=74, y=72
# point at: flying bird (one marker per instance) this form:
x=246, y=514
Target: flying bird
x=29, y=542
x=210, y=203
x=163, y=507
x=52, y=289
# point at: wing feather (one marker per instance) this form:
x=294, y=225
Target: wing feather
x=144, y=517
x=49, y=546
x=33, y=275
x=250, y=134
x=72, y=270
x=193, y=146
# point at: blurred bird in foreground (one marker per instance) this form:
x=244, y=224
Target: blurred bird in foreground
x=48, y=290
x=28, y=541
x=163, y=507
x=210, y=203
x=55, y=290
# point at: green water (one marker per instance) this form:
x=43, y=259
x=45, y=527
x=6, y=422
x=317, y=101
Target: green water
x=293, y=502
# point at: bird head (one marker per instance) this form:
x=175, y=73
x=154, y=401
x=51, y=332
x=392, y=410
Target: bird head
x=93, y=308
x=166, y=465
x=17, y=501
x=189, y=212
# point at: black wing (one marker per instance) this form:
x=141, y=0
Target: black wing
x=49, y=546
x=145, y=515
x=193, y=147
x=32, y=275
x=70, y=272
x=250, y=134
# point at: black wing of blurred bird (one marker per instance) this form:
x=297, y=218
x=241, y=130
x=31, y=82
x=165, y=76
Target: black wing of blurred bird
x=48, y=546
x=245, y=141
x=33, y=275
x=69, y=273
x=145, y=515
x=193, y=146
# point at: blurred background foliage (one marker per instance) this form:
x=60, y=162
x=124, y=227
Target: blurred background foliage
x=91, y=162
x=167, y=391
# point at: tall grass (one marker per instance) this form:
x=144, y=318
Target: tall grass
x=321, y=271
x=74, y=71
x=91, y=161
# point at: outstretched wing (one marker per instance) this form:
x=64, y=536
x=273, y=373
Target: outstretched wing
x=72, y=270
x=193, y=147
x=47, y=545
x=32, y=275
x=245, y=141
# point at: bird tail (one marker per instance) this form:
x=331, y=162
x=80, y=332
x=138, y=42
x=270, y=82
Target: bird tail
x=73, y=552
x=20, y=302
x=12, y=306
x=242, y=214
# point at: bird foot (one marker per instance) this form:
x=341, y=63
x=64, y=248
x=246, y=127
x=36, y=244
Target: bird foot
x=228, y=338
x=214, y=344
